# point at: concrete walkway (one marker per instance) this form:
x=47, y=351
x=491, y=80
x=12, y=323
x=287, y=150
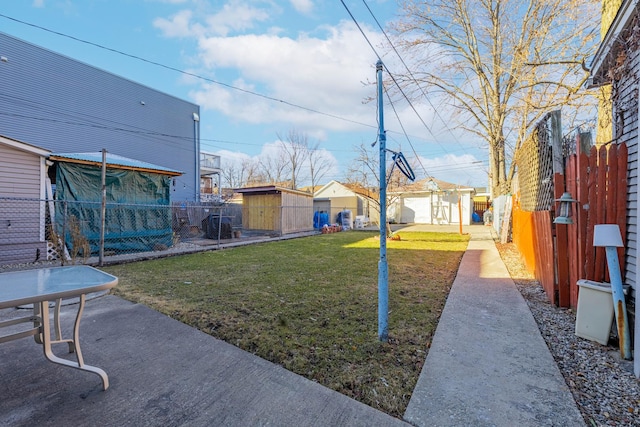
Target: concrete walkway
x=487, y=366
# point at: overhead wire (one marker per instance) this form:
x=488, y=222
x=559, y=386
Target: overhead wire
x=273, y=99
x=399, y=87
x=187, y=73
x=435, y=110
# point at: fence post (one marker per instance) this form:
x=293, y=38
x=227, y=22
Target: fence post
x=103, y=206
x=63, y=256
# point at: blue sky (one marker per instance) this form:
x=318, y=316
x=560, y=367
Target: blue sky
x=307, y=53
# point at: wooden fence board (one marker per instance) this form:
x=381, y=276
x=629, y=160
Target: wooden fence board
x=592, y=184
x=572, y=230
x=582, y=195
x=600, y=209
x=544, y=251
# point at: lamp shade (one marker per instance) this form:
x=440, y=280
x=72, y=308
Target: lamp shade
x=607, y=235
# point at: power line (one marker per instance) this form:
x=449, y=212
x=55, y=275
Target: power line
x=168, y=67
x=149, y=133
x=404, y=95
x=410, y=73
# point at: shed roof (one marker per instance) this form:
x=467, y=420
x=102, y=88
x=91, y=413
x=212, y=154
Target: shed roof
x=113, y=161
x=271, y=189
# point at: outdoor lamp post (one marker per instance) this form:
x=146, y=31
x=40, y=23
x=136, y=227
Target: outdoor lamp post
x=564, y=216
x=608, y=236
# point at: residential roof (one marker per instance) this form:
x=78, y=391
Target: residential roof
x=354, y=188
x=359, y=189
x=23, y=146
x=113, y=161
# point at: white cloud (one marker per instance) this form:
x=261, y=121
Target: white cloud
x=322, y=74
x=234, y=16
x=38, y=3
x=179, y=25
x=302, y=6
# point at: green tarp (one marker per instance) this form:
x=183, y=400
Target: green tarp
x=138, y=211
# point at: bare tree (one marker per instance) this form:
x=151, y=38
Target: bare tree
x=275, y=167
x=239, y=173
x=365, y=172
x=319, y=164
x=501, y=64
x=296, y=149
x=365, y=169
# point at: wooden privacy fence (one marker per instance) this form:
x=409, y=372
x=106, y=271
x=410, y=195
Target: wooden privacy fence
x=599, y=183
x=559, y=254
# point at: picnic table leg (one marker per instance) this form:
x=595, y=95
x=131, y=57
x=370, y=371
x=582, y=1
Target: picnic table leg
x=75, y=343
x=56, y=325
x=37, y=323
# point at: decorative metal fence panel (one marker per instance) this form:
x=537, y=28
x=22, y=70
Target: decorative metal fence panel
x=535, y=169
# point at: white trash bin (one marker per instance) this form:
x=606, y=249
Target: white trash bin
x=594, y=316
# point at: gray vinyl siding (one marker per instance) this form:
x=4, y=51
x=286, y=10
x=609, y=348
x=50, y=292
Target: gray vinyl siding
x=21, y=221
x=19, y=173
x=625, y=129
x=66, y=106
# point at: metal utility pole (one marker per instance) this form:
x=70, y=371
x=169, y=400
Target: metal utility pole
x=383, y=270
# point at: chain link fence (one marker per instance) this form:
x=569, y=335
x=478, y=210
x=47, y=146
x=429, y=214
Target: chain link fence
x=34, y=231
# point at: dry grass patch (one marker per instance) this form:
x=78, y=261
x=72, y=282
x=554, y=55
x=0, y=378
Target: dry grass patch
x=310, y=305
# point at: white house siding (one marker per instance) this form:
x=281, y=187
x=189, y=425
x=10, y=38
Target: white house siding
x=21, y=221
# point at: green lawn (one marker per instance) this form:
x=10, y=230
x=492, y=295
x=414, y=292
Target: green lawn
x=310, y=304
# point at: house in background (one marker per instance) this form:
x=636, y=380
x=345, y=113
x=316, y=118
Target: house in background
x=63, y=105
x=617, y=63
x=23, y=174
x=431, y=201
x=210, y=178
x=335, y=197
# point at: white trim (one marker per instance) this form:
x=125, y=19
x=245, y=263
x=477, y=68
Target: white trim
x=43, y=183
x=23, y=146
x=623, y=16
